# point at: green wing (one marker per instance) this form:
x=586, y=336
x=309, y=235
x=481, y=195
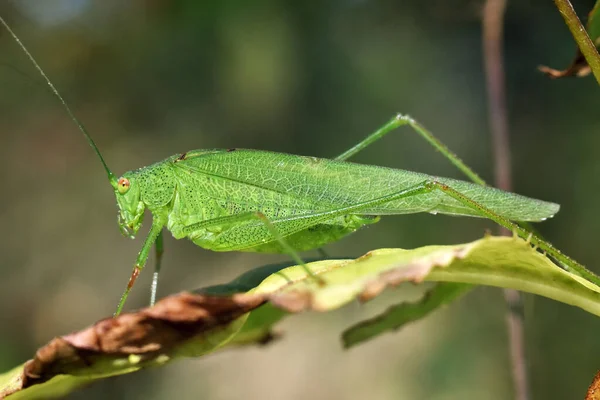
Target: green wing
x=310, y=183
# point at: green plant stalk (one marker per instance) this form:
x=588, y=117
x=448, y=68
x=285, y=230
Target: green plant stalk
x=586, y=45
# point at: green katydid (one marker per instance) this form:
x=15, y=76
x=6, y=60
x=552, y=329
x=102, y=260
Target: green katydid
x=259, y=201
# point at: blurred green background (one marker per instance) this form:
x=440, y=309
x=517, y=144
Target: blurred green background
x=151, y=78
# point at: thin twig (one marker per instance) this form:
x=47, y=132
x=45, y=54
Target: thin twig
x=587, y=47
x=493, y=20
x=493, y=15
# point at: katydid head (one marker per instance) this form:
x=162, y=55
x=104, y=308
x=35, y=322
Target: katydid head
x=131, y=208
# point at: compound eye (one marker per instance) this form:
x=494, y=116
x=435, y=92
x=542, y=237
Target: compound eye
x=123, y=185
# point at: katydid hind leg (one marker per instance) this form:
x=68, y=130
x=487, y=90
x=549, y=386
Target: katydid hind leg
x=431, y=185
x=565, y=261
x=158, y=222
x=401, y=120
x=158, y=254
x=522, y=228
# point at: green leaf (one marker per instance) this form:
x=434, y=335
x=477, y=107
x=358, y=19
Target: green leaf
x=593, y=23
x=399, y=315
x=246, y=309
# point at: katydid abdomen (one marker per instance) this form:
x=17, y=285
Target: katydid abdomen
x=295, y=193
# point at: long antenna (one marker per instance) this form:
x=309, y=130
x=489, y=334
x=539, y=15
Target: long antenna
x=111, y=177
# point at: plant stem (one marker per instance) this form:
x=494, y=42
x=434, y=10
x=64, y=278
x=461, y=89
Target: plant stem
x=493, y=20
x=587, y=47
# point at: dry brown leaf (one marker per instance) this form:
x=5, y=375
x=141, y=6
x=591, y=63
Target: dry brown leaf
x=148, y=332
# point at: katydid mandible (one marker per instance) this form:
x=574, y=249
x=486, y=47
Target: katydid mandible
x=259, y=201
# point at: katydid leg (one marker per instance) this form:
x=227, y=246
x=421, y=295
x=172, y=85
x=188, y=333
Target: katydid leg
x=323, y=253
x=401, y=120
x=249, y=216
x=158, y=253
x=568, y=263
x=398, y=121
x=155, y=230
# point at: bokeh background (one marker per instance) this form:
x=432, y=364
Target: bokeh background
x=151, y=78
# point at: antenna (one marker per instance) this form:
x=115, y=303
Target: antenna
x=111, y=177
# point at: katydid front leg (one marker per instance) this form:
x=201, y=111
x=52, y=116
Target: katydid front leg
x=159, y=220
